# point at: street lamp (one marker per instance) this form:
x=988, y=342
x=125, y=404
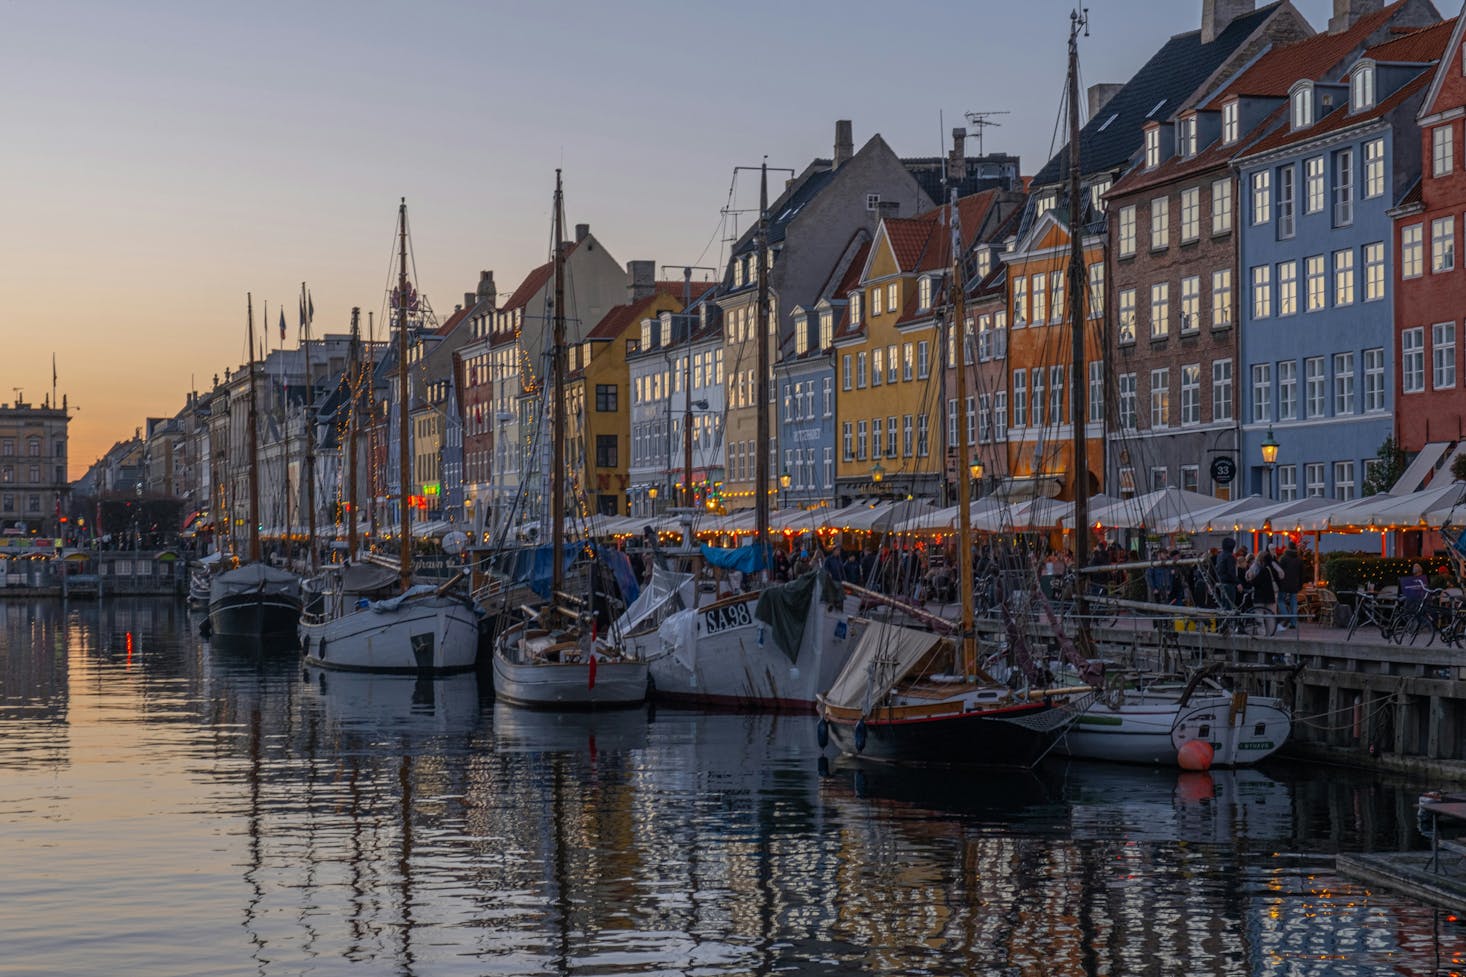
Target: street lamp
x=651, y=493
x=975, y=470
x=1270, y=457
x=784, y=480
x=877, y=473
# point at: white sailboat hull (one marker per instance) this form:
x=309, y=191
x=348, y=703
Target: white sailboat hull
x=1150, y=728
x=564, y=681
x=427, y=634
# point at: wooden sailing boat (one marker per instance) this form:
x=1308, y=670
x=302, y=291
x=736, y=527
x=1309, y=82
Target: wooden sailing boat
x=254, y=600
x=552, y=660
x=420, y=629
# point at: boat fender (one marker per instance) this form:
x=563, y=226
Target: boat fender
x=206, y=629
x=822, y=732
x=860, y=736
x=823, y=766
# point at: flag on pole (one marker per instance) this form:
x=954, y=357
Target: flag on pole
x=310, y=308
x=282, y=325
x=53, y=370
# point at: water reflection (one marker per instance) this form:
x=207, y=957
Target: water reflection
x=160, y=792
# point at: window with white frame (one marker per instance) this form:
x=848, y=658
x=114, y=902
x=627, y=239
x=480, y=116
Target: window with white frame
x=1313, y=478
x=1160, y=398
x=877, y=367
x=1302, y=112
x=1160, y=223
x=1190, y=478
x=1096, y=296
x=952, y=422
x=1126, y=388
x=893, y=368
x=860, y=368
x=1287, y=483
x=924, y=359
x=1159, y=478
x=1262, y=392
x=906, y=436
x=1412, y=360
x=923, y=422
x=984, y=261
x=1190, y=304
x=1343, y=384
x=1126, y=232
x=924, y=293
x=1287, y=288
x=1221, y=298
x=1229, y=122
x=1361, y=86
x=862, y=439
x=1443, y=355
x=1315, y=382
x=845, y=375
x=1000, y=415
x=1036, y=401
x=892, y=301
x=1020, y=398
x=1126, y=323
x=1313, y=188
x=1343, y=188
x=1344, y=481
x=1374, y=380
x=1344, y=277
x=1190, y=394
x=1186, y=137
x=1412, y=251
x=1286, y=225
x=829, y=386
x=877, y=297
x=1262, y=292
x=1160, y=310
x=1221, y=390
x=1056, y=296
x=1056, y=395
x=1262, y=197
x=878, y=436
x=1287, y=390
x=1190, y=214
x=1374, y=271
x=856, y=300
x=1152, y=147
x=1221, y=206
x=1096, y=391
x=984, y=418
x=1097, y=191
x=1442, y=150
x=1020, y=300
x=908, y=360
x=1374, y=168
x=1443, y=244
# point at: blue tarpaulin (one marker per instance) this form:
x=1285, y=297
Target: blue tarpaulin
x=620, y=565
x=536, y=566
x=745, y=559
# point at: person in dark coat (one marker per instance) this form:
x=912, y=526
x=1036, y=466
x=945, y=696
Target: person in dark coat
x=1289, y=586
x=835, y=565
x=1264, y=580
x=1226, y=567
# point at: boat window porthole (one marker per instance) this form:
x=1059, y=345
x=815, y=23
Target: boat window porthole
x=1204, y=731
x=1259, y=729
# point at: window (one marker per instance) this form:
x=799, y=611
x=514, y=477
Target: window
x=1221, y=206
x=1020, y=398
x=1442, y=150
x=876, y=306
x=1190, y=214
x=1302, y=113
x=1040, y=297
x=1127, y=401
x=1313, y=476
x=847, y=436
x=1190, y=304
x=908, y=361
x=605, y=451
x=872, y=201
x=1127, y=231
x=1221, y=390
x=922, y=423
x=1229, y=123
x=1374, y=168
x=1412, y=360
x=7, y=447
x=971, y=420
x=1374, y=380
x=1361, y=87
x=1262, y=392
x=1443, y=244
x=890, y=437
x=1190, y=478
x=860, y=364
x=877, y=436
x=1056, y=289
x=1344, y=277
x=1314, y=384
x=33, y=503
x=829, y=386
x=1160, y=223
x=906, y=435
x=1443, y=355
x=855, y=303
x=1186, y=137
x=1374, y=271
x=1096, y=391
x=845, y=372
x=1160, y=397
x=877, y=367
x=1036, y=404
x=1288, y=288
x=1127, y=315
x=1159, y=478
x=1152, y=147
x=1343, y=384
x=1343, y=187
x=892, y=301
x=1190, y=394
x=1056, y=395
x=1287, y=390
x=1412, y=251
x=1020, y=300
x=862, y=440
x=1096, y=296
x=1313, y=195
x=1344, y=480
x=606, y=397
x=1286, y=226
x=1262, y=292
x=1160, y=310
x=1221, y=298
x=1000, y=416
x=827, y=329
x=1287, y=483
x=924, y=293
x=923, y=360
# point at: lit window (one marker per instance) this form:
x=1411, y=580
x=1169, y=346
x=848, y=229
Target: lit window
x=1152, y=147
x=1127, y=231
x=1374, y=168
x=1303, y=106
x=1313, y=185
x=1160, y=310
x=1221, y=298
x=1442, y=150
x=1221, y=206
x=1344, y=277
x=1262, y=292
x=1412, y=250
x=1443, y=355
x=1229, y=122
x=1412, y=360
x=1361, y=86
x=1127, y=315
x=1287, y=288
x=1443, y=244
x=1190, y=214
x=1160, y=223
x=1262, y=197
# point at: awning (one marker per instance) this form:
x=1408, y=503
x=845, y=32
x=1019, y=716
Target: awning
x=1421, y=467
x=1016, y=488
x=883, y=656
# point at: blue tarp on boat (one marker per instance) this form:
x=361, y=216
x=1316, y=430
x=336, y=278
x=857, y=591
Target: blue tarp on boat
x=745, y=559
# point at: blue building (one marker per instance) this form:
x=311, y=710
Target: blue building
x=1315, y=266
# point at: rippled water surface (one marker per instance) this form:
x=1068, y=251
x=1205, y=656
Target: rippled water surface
x=168, y=807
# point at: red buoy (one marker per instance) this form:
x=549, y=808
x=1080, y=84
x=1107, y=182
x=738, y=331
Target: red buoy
x=1195, y=755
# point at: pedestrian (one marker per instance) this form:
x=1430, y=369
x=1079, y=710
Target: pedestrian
x=1226, y=569
x=1264, y=574
x=1289, y=586
x=1159, y=577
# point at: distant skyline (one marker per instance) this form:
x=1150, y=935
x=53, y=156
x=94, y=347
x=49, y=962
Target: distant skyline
x=163, y=159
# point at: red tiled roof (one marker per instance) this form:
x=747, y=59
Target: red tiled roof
x=1340, y=118
x=1214, y=156
x=1416, y=47
x=615, y=322
x=851, y=281
x=453, y=322
x=1271, y=75
x=908, y=237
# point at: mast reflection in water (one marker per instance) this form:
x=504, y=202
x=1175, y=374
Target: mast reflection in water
x=174, y=808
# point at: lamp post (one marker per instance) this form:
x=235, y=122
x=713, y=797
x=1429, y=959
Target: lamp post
x=975, y=470
x=651, y=493
x=783, y=487
x=1270, y=458
x=877, y=472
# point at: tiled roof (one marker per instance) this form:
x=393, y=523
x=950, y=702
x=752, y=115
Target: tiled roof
x=1182, y=64
x=1414, y=195
x=851, y=280
x=1416, y=47
x=784, y=208
x=1214, y=156
x=1340, y=118
x=909, y=237
x=453, y=321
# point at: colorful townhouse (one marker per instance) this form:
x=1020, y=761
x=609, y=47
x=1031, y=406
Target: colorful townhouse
x=1317, y=338
x=1172, y=243
x=1428, y=272
x=471, y=369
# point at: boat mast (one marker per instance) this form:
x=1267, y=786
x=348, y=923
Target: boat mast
x=964, y=487
x=374, y=473
x=761, y=332
x=310, y=436
x=250, y=434
x=351, y=422
x=404, y=456
x=1077, y=287
x=687, y=389
x=557, y=406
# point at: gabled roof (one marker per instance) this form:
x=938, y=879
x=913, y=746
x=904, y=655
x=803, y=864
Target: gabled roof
x=1156, y=91
x=908, y=237
x=1422, y=46
x=616, y=321
x=1339, y=118
x=533, y=282
x=1442, y=71
x=452, y=322
x=1215, y=156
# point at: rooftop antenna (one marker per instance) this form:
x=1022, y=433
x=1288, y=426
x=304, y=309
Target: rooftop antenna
x=978, y=121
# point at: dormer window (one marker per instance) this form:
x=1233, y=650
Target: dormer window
x=924, y=293
x=1302, y=106
x=1361, y=86
x=1047, y=201
x=1229, y=123
x=1186, y=138
x=855, y=303
x=984, y=262
x=1152, y=147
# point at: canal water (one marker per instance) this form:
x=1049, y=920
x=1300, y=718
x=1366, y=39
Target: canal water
x=168, y=807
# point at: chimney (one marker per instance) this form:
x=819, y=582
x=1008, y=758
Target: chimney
x=487, y=293
x=844, y=143
x=469, y=298
x=1347, y=13
x=1100, y=95
x=582, y=231
x=1217, y=15
x=957, y=160
x=641, y=280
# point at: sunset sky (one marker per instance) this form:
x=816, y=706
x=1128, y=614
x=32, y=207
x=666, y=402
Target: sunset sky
x=162, y=159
